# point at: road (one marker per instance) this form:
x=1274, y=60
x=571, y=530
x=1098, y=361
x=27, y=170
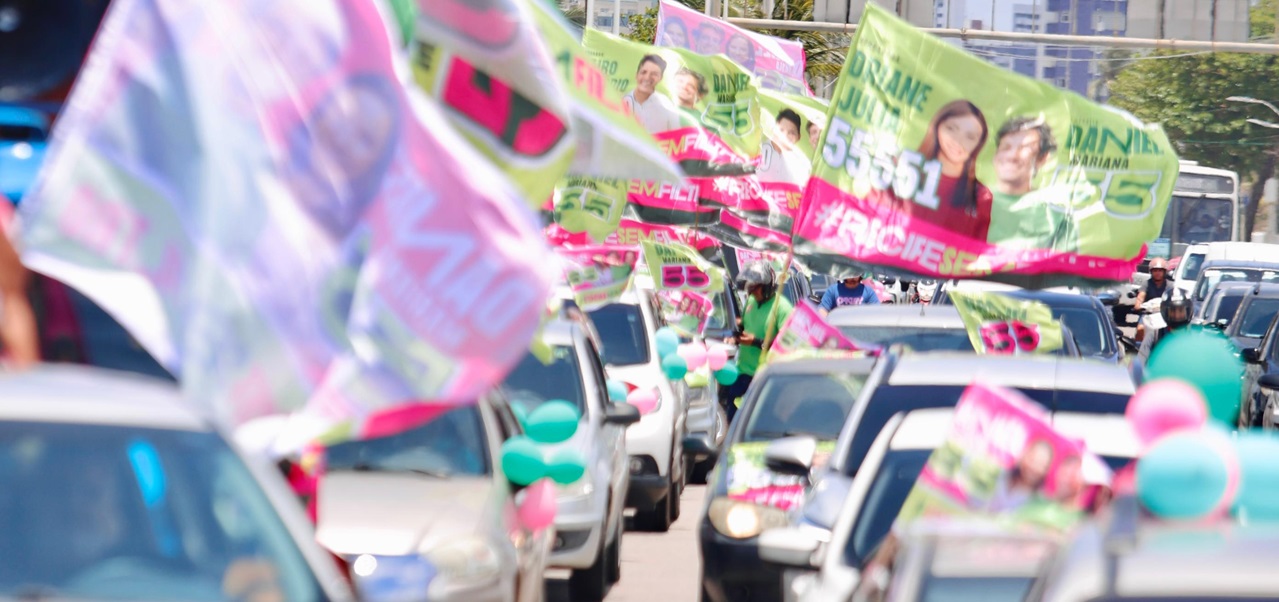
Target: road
x=655, y=566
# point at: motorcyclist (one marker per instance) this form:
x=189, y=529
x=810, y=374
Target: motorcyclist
x=758, y=328
x=1175, y=309
x=1155, y=288
x=849, y=290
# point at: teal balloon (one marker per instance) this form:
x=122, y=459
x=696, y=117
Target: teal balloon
x=667, y=341
x=1182, y=477
x=554, y=421
x=566, y=466
x=522, y=460
x=1258, y=497
x=728, y=374
x=617, y=391
x=674, y=366
x=1205, y=359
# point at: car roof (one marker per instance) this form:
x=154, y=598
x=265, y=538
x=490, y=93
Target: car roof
x=1020, y=372
x=1108, y=435
x=1053, y=298
x=1266, y=289
x=892, y=314
x=1000, y=287
x=819, y=366
x=76, y=394
x=1238, y=263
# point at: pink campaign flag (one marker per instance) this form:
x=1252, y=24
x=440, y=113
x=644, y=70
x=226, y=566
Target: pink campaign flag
x=778, y=63
x=808, y=330
x=278, y=219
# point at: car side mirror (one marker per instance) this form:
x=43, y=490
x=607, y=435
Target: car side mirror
x=1252, y=355
x=792, y=547
x=1269, y=381
x=621, y=413
x=791, y=455
x=1221, y=323
x=1108, y=298
x=698, y=445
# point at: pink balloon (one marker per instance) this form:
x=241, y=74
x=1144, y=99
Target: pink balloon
x=716, y=357
x=1162, y=406
x=693, y=353
x=643, y=399
x=537, y=511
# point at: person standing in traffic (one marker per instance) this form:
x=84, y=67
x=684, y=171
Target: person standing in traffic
x=848, y=291
x=765, y=313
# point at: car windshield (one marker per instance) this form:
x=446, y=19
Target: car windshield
x=802, y=404
x=1212, y=276
x=919, y=339
x=1257, y=317
x=975, y=589
x=1193, y=263
x=112, y=512
x=889, y=400
x=451, y=442
x=883, y=502
x=622, y=334
x=533, y=382
x=1092, y=331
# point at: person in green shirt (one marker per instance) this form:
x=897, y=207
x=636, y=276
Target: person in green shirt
x=1024, y=218
x=758, y=328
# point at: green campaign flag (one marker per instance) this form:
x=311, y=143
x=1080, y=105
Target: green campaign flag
x=999, y=324
x=611, y=143
x=591, y=206
x=938, y=163
x=677, y=267
x=812, y=113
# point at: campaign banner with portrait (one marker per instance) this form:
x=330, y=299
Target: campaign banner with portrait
x=1001, y=325
x=704, y=111
x=1001, y=457
x=590, y=206
x=779, y=64
x=806, y=329
x=599, y=275
x=677, y=267
x=992, y=175
x=685, y=311
x=275, y=216
x=749, y=478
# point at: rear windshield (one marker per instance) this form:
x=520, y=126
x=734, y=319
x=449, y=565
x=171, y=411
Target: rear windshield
x=1257, y=317
x=1092, y=332
x=1226, y=307
x=802, y=404
x=975, y=589
x=1212, y=276
x=889, y=400
x=622, y=334
x=533, y=383
x=919, y=339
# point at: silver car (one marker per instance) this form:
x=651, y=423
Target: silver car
x=427, y=513
x=588, y=522
x=113, y=487
x=920, y=327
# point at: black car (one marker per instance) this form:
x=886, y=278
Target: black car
x=1256, y=311
x=1086, y=317
x=1221, y=304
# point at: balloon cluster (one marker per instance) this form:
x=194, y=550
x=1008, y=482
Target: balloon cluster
x=679, y=359
x=1191, y=466
x=525, y=461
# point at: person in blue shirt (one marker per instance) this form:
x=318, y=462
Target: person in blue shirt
x=849, y=291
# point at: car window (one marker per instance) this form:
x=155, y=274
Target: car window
x=1227, y=305
x=802, y=404
x=596, y=367
x=533, y=382
x=1091, y=330
x=888, y=400
x=919, y=339
x=720, y=312
x=1193, y=263
x=883, y=502
x=1257, y=316
x=975, y=589
x=1212, y=276
x=623, y=335
x=112, y=512
x=450, y=442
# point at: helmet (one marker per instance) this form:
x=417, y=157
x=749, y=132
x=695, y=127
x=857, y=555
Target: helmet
x=758, y=273
x=1159, y=263
x=1176, y=307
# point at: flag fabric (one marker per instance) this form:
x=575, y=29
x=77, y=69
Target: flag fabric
x=677, y=267
x=599, y=275
x=807, y=330
x=999, y=324
x=778, y=63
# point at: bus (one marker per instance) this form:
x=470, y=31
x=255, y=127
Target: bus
x=1204, y=208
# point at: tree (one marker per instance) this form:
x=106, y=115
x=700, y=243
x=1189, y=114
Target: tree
x=1187, y=95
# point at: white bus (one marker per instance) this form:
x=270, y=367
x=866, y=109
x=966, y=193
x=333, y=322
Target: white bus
x=1204, y=208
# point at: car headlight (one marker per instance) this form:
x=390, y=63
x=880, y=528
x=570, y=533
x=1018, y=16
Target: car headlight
x=742, y=520
x=389, y=578
x=466, y=562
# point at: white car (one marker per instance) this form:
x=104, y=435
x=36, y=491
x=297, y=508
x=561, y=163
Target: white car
x=114, y=487
x=588, y=521
x=1195, y=256
x=877, y=492
x=627, y=330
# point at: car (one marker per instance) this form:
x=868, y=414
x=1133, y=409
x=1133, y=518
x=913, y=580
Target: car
x=24, y=135
x=1257, y=309
x=113, y=486
x=1195, y=257
x=943, y=294
x=920, y=327
x=589, y=518
x=912, y=381
x=1091, y=325
x=655, y=445
x=707, y=419
x=1260, y=404
x=428, y=513
x=871, y=504
x=811, y=396
x=1232, y=271
x=1128, y=555
x=1220, y=304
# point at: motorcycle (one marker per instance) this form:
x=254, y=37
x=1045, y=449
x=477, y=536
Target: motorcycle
x=1149, y=320
x=922, y=292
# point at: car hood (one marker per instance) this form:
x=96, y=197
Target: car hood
x=393, y=514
